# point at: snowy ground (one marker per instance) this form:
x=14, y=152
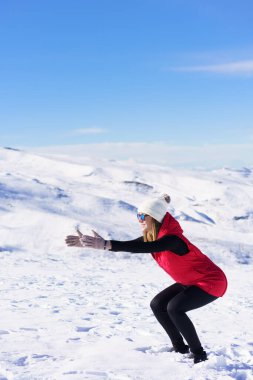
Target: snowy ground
x=74, y=314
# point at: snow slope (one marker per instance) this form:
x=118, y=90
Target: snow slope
x=74, y=314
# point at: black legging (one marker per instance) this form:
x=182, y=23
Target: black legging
x=170, y=307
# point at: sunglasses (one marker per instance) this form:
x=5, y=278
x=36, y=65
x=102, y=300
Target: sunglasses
x=141, y=216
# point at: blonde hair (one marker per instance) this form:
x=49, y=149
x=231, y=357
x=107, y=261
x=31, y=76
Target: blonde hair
x=152, y=235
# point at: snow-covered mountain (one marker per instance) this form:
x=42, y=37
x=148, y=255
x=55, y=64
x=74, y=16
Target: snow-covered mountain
x=69, y=313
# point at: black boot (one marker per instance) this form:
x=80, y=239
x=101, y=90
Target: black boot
x=199, y=355
x=182, y=348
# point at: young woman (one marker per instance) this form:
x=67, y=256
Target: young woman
x=198, y=281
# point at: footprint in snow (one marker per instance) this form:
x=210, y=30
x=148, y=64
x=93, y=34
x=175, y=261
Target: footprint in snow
x=115, y=312
x=3, y=332
x=41, y=357
x=69, y=373
x=84, y=329
x=96, y=373
x=22, y=361
x=28, y=329
x=71, y=340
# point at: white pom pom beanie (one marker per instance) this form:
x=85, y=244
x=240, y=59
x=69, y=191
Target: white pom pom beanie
x=155, y=207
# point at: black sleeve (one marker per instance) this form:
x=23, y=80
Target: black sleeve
x=168, y=242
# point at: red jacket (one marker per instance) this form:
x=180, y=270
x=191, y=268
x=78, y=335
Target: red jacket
x=194, y=268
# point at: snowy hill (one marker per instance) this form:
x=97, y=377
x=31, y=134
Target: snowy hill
x=77, y=314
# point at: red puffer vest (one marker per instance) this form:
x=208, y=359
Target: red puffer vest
x=194, y=268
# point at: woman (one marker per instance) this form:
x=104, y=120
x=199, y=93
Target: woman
x=198, y=280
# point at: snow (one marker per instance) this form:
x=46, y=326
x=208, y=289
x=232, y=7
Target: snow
x=75, y=314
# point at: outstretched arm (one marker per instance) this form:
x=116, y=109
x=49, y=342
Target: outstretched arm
x=168, y=242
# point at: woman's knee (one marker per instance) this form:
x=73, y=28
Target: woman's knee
x=173, y=308
x=155, y=304
x=160, y=301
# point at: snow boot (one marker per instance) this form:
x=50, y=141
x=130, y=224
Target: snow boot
x=182, y=348
x=199, y=356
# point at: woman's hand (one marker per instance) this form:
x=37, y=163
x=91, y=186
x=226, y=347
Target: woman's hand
x=74, y=241
x=96, y=241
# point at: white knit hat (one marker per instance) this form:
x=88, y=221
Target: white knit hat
x=155, y=207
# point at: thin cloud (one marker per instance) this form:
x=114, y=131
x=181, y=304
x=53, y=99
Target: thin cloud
x=208, y=155
x=231, y=68
x=88, y=131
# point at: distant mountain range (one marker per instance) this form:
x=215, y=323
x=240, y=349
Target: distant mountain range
x=212, y=205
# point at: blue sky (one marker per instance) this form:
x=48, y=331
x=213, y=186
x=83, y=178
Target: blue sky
x=176, y=72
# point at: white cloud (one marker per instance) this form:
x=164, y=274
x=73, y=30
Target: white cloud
x=88, y=131
x=233, y=68
x=204, y=156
